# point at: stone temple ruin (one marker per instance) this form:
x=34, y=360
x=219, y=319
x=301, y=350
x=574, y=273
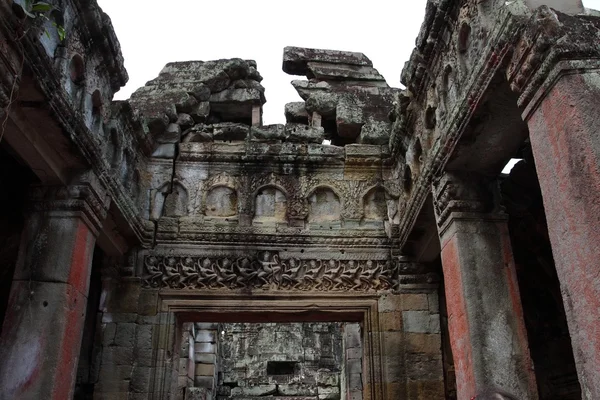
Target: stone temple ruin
x=172, y=246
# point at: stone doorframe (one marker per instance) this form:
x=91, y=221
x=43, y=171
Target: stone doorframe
x=177, y=307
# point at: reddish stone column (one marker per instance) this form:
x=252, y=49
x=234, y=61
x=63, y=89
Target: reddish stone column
x=485, y=316
x=40, y=342
x=564, y=128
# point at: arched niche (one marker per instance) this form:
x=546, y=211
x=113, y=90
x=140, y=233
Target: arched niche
x=270, y=205
x=374, y=205
x=324, y=205
x=221, y=201
x=176, y=203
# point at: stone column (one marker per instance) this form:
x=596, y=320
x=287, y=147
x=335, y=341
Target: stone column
x=485, y=316
x=41, y=339
x=564, y=129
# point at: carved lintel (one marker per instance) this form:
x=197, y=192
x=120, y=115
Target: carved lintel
x=265, y=270
x=82, y=200
x=458, y=192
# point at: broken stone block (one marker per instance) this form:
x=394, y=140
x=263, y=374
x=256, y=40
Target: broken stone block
x=236, y=68
x=198, y=133
x=295, y=59
x=328, y=378
x=157, y=124
x=185, y=121
x=201, y=111
x=197, y=393
x=254, y=74
x=326, y=71
x=186, y=105
x=201, y=92
x=268, y=132
x=236, y=96
x=258, y=390
x=304, y=133
x=297, y=390
x=296, y=113
x=229, y=131
x=375, y=132
x=329, y=393
x=323, y=103
x=306, y=88
x=349, y=117
x=171, y=135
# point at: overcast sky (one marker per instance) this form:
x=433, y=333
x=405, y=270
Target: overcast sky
x=155, y=32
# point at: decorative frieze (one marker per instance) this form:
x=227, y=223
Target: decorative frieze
x=266, y=270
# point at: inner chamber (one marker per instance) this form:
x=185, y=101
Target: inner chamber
x=283, y=360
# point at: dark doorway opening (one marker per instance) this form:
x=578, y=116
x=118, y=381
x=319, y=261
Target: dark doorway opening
x=15, y=179
x=545, y=319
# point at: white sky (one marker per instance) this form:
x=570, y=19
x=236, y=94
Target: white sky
x=154, y=32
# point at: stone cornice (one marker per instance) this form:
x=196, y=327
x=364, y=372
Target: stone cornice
x=81, y=200
x=37, y=60
x=553, y=44
x=493, y=59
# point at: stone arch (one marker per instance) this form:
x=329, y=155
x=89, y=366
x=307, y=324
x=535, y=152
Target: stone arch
x=221, y=201
x=176, y=202
x=374, y=204
x=324, y=204
x=270, y=204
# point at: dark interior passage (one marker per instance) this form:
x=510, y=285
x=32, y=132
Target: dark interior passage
x=549, y=339
x=15, y=179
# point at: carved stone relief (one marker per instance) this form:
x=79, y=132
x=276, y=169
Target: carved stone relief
x=270, y=205
x=375, y=207
x=221, y=201
x=324, y=205
x=266, y=270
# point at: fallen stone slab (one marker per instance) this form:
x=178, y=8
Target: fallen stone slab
x=295, y=59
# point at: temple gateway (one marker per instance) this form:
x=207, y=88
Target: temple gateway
x=172, y=246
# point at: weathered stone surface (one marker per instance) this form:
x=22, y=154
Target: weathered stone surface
x=329, y=393
x=324, y=103
x=296, y=113
x=375, y=132
x=296, y=389
x=304, y=133
x=269, y=132
x=306, y=88
x=185, y=121
x=258, y=390
x=295, y=59
x=171, y=135
x=228, y=131
x=327, y=71
x=197, y=393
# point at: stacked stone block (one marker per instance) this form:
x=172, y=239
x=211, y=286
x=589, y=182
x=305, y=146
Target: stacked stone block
x=353, y=364
x=205, y=356
x=129, y=334
x=186, y=357
x=411, y=345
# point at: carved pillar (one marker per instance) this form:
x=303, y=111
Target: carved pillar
x=564, y=131
x=40, y=342
x=485, y=316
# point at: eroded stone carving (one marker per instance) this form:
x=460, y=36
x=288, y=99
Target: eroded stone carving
x=266, y=270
